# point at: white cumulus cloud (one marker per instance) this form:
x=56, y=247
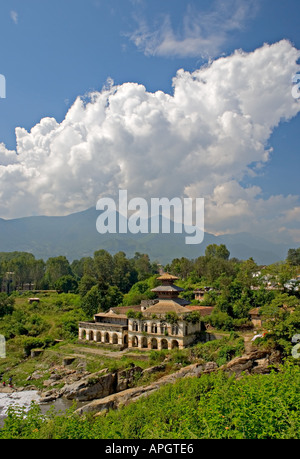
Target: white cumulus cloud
x=199, y=142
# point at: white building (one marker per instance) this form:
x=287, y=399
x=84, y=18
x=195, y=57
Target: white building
x=164, y=323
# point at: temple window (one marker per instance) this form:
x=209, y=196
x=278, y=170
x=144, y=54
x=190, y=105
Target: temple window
x=175, y=329
x=163, y=328
x=154, y=328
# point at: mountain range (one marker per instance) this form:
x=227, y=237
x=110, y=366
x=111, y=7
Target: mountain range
x=75, y=236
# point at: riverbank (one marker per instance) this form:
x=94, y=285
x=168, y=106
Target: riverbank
x=23, y=399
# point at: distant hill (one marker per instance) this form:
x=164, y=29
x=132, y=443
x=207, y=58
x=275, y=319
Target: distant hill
x=75, y=236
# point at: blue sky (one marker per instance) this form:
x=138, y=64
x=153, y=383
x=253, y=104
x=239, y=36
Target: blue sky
x=53, y=52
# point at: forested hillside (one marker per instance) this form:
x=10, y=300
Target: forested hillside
x=213, y=406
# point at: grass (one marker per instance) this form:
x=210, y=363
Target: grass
x=57, y=316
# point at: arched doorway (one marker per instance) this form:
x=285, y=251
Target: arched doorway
x=153, y=343
x=98, y=336
x=125, y=340
x=106, y=339
x=144, y=342
x=91, y=337
x=174, y=344
x=115, y=338
x=164, y=344
x=135, y=341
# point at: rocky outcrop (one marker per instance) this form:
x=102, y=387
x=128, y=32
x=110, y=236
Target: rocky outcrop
x=96, y=385
x=91, y=386
x=256, y=362
x=109, y=390
x=116, y=400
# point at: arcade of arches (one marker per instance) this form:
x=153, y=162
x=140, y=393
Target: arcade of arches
x=159, y=324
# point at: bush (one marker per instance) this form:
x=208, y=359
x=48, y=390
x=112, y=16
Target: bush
x=221, y=350
x=68, y=324
x=28, y=343
x=221, y=320
x=214, y=406
x=6, y=304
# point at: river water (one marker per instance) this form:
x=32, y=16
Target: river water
x=23, y=399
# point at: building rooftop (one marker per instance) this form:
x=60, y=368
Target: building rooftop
x=124, y=309
x=111, y=314
x=167, y=276
x=167, y=288
x=203, y=310
x=164, y=306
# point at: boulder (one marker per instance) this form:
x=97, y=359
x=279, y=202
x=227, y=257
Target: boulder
x=96, y=385
x=259, y=361
x=116, y=400
x=126, y=377
x=155, y=369
x=68, y=360
x=36, y=352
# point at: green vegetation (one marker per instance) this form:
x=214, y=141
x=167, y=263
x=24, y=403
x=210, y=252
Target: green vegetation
x=211, y=407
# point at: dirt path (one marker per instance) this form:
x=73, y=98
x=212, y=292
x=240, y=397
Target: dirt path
x=104, y=352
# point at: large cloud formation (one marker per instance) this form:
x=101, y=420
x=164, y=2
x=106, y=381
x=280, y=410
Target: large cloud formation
x=201, y=141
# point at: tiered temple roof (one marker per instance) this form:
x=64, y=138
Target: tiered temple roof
x=168, y=298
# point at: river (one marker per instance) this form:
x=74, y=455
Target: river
x=24, y=398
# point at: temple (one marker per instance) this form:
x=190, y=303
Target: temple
x=163, y=323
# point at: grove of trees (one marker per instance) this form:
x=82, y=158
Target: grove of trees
x=105, y=280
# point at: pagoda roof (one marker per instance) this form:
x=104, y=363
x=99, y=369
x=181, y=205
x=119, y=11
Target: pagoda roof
x=167, y=288
x=167, y=276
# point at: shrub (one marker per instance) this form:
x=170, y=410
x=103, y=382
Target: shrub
x=6, y=304
x=28, y=343
x=215, y=406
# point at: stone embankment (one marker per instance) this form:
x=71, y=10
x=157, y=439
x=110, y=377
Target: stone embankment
x=87, y=386
x=106, y=390
x=256, y=362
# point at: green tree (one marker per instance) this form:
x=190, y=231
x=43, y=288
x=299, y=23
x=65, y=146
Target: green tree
x=37, y=272
x=85, y=284
x=91, y=303
x=141, y=263
x=293, y=257
x=6, y=304
x=66, y=284
x=77, y=267
x=101, y=298
x=247, y=270
x=217, y=251
x=104, y=266
x=123, y=275
x=57, y=267
x=181, y=267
